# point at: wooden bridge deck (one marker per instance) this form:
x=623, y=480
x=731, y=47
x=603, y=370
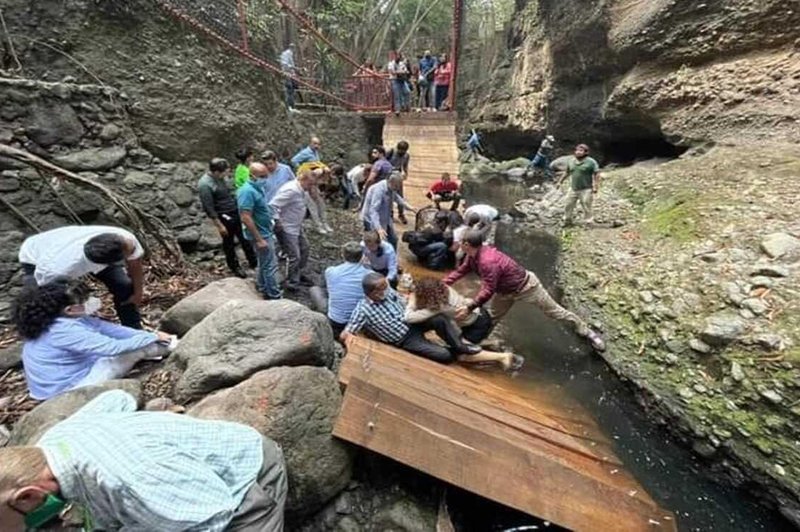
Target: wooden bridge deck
x=481, y=430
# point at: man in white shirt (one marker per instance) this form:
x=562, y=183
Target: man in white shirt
x=289, y=210
x=351, y=184
x=290, y=70
x=111, y=254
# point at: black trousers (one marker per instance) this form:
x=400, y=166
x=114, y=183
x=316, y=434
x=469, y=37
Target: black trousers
x=337, y=328
x=479, y=329
x=415, y=342
x=233, y=225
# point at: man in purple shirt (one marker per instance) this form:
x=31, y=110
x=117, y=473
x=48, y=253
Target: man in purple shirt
x=504, y=282
x=381, y=167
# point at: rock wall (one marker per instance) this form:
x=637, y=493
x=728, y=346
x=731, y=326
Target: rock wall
x=626, y=71
x=87, y=129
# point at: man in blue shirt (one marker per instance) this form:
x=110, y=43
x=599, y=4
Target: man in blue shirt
x=309, y=154
x=474, y=148
x=380, y=256
x=376, y=213
x=277, y=174
x=427, y=66
x=344, y=287
x=256, y=217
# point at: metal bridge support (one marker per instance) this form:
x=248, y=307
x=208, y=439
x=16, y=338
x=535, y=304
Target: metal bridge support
x=458, y=17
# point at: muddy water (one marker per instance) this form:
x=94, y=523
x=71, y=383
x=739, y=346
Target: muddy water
x=559, y=362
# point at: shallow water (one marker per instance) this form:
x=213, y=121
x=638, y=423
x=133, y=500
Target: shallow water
x=558, y=361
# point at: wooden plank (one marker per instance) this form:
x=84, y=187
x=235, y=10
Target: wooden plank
x=458, y=446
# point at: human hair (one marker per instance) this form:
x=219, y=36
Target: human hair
x=583, y=147
x=402, y=146
x=336, y=169
x=380, y=149
x=473, y=238
x=352, y=252
x=269, y=155
x=472, y=219
x=431, y=293
x=371, y=281
x=105, y=248
x=218, y=164
x=21, y=467
x=37, y=307
x=445, y=175
x=243, y=154
x=372, y=237
x=454, y=219
x=395, y=177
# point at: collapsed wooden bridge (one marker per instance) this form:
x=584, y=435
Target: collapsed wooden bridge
x=479, y=430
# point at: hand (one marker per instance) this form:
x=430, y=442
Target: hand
x=346, y=338
x=382, y=233
x=164, y=337
x=261, y=244
x=223, y=232
x=462, y=313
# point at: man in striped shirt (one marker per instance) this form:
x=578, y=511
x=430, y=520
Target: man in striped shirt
x=109, y=467
x=382, y=313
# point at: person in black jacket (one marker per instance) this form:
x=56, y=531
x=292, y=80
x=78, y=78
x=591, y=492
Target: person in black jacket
x=432, y=245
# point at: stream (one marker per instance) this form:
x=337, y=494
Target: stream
x=562, y=364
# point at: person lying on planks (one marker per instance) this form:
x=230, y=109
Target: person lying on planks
x=67, y=347
x=431, y=297
x=445, y=189
x=504, y=282
x=112, y=255
x=109, y=467
x=382, y=313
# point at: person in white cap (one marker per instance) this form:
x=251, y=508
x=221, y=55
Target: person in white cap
x=543, y=155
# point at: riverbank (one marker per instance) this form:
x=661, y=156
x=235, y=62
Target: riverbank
x=691, y=270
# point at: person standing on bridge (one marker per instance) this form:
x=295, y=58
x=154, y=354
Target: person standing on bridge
x=290, y=71
x=504, y=282
x=398, y=70
x=427, y=66
x=442, y=77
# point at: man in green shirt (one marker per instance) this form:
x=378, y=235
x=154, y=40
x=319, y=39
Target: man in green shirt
x=584, y=174
x=242, y=173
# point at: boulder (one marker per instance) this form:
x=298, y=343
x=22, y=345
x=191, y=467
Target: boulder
x=91, y=159
x=722, y=328
x=777, y=245
x=182, y=195
x=35, y=423
x=242, y=337
x=54, y=124
x=209, y=238
x=11, y=357
x=296, y=407
x=190, y=311
x=138, y=179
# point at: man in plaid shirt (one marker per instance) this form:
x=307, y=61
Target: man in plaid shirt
x=109, y=467
x=382, y=313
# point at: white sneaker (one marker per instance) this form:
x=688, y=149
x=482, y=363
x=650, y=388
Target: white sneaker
x=322, y=230
x=328, y=228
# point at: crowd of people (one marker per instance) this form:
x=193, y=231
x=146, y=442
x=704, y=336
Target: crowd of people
x=235, y=478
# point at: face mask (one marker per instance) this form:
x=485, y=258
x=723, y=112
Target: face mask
x=43, y=514
x=92, y=306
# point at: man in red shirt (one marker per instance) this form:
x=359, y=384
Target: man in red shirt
x=445, y=190
x=504, y=282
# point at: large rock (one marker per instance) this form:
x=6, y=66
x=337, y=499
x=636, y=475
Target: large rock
x=190, y=311
x=296, y=407
x=722, y=328
x=777, y=245
x=91, y=159
x=243, y=337
x=35, y=423
x=54, y=124
x=11, y=357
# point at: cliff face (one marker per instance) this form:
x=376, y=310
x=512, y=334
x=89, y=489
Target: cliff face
x=626, y=71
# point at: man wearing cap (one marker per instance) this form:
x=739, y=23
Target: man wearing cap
x=543, y=155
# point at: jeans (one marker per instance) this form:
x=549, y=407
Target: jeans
x=267, y=275
x=315, y=204
x=435, y=255
x=543, y=162
x=391, y=236
x=414, y=341
x=401, y=93
x=441, y=95
x=426, y=95
x=291, y=86
x=296, y=249
x=233, y=225
x=346, y=187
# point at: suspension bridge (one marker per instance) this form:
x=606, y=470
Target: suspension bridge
x=484, y=432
